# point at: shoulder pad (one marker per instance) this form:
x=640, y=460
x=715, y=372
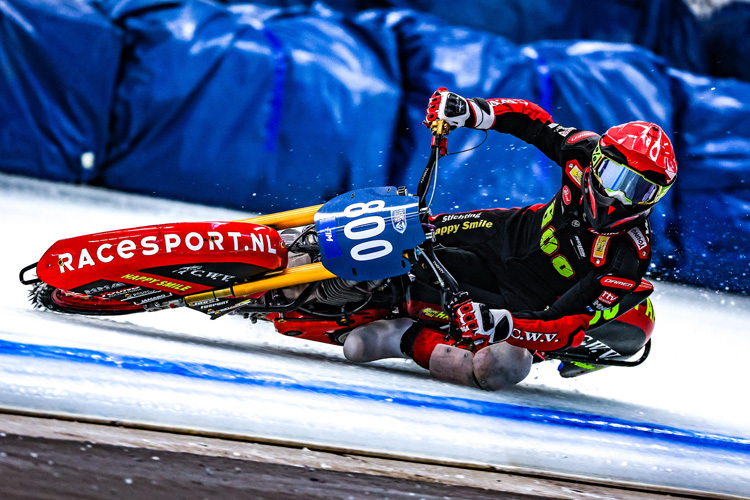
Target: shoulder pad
x=581, y=139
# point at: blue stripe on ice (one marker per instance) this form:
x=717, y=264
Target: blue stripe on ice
x=460, y=405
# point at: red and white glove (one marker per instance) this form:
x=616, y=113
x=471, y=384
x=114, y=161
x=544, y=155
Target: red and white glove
x=457, y=111
x=481, y=325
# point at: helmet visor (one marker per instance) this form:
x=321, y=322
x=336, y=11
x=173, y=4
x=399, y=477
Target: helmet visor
x=626, y=185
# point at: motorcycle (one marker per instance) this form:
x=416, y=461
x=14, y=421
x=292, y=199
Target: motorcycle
x=315, y=272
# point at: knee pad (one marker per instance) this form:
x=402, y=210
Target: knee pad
x=501, y=366
x=451, y=364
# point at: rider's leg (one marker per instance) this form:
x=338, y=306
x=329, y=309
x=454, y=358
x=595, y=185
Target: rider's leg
x=493, y=368
x=620, y=338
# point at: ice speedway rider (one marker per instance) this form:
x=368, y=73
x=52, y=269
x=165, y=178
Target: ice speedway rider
x=537, y=275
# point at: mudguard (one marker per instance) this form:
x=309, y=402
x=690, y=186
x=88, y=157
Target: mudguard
x=171, y=259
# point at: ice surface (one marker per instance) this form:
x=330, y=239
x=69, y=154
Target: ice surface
x=180, y=369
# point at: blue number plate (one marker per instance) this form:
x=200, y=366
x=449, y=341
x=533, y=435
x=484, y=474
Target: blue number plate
x=364, y=233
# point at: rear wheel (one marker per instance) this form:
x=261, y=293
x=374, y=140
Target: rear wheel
x=54, y=299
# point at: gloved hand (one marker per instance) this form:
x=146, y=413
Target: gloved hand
x=458, y=111
x=481, y=325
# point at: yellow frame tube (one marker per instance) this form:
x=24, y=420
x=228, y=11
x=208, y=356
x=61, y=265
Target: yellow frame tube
x=276, y=279
x=285, y=220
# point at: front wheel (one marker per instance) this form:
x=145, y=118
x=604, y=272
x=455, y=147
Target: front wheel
x=54, y=299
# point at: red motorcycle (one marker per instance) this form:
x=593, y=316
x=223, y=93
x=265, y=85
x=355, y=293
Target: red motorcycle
x=315, y=272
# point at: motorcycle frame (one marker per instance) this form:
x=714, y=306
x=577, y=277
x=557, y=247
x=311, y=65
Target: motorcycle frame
x=309, y=273
x=275, y=279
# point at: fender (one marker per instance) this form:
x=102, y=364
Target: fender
x=180, y=258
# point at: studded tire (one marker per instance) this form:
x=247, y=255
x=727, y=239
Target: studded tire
x=45, y=296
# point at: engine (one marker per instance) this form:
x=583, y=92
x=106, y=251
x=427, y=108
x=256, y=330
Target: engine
x=332, y=292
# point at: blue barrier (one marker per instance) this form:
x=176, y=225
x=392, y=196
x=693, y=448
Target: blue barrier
x=58, y=64
x=726, y=36
x=251, y=108
x=665, y=27
x=713, y=190
x=267, y=108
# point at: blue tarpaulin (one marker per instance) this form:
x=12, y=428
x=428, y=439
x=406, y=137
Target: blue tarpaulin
x=251, y=108
x=665, y=27
x=713, y=190
x=268, y=108
x=726, y=36
x=58, y=64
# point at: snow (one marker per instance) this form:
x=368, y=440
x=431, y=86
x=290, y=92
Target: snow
x=678, y=420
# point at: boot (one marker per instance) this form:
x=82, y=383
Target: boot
x=376, y=340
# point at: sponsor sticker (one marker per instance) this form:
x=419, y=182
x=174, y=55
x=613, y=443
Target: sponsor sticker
x=431, y=313
x=466, y=225
x=639, y=240
x=566, y=195
x=560, y=129
x=149, y=245
x=579, y=247
x=598, y=347
x=580, y=136
x=329, y=242
x=101, y=289
x=614, y=282
x=398, y=219
x=599, y=306
x=607, y=297
x=151, y=299
x=646, y=285
x=575, y=172
x=156, y=282
x=198, y=271
x=599, y=251
x=468, y=215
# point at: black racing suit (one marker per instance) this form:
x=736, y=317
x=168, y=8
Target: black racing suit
x=543, y=262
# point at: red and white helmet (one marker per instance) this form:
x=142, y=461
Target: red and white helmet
x=632, y=168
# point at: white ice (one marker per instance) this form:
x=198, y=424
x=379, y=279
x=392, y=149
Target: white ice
x=247, y=380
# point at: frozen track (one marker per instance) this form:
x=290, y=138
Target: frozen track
x=677, y=421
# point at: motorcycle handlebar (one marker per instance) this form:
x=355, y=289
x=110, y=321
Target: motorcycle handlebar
x=440, y=129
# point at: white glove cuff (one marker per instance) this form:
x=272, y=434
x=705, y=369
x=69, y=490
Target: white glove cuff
x=484, y=120
x=498, y=315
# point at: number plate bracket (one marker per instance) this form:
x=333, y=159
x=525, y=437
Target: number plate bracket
x=364, y=233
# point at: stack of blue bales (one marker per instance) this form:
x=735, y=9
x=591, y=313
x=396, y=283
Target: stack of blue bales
x=267, y=108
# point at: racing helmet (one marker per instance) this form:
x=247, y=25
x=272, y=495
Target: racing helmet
x=632, y=167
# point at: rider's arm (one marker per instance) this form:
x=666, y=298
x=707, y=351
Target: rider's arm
x=533, y=125
x=563, y=324
x=523, y=119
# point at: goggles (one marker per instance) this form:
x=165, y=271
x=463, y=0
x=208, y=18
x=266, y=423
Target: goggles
x=626, y=185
